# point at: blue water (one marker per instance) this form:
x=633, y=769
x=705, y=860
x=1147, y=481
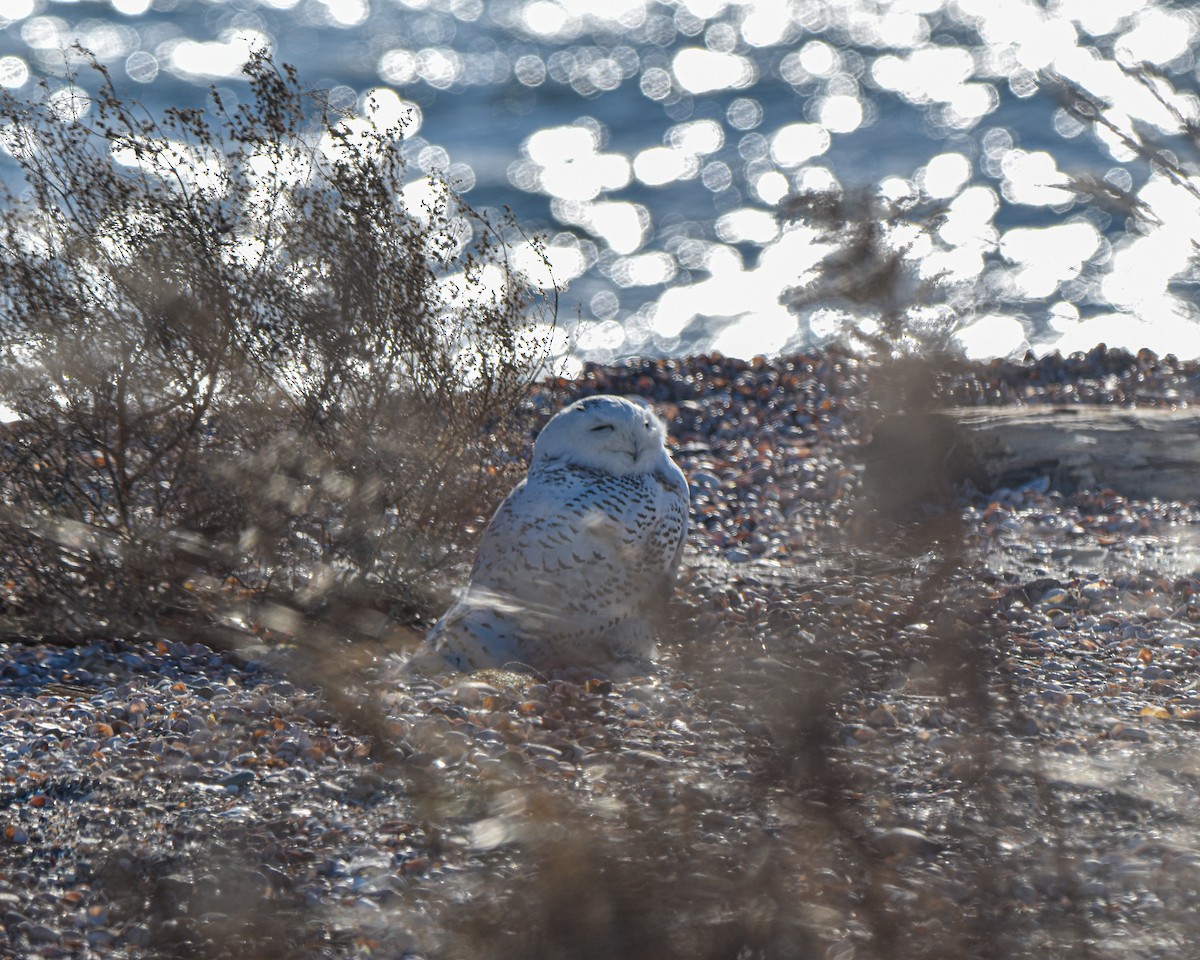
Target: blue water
x=484, y=116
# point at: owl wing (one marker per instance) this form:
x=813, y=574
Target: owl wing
x=574, y=567
x=581, y=541
x=674, y=502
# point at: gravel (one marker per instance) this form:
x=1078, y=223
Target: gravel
x=971, y=735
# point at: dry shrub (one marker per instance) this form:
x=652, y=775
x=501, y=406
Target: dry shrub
x=240, y=352
x=870, y=275
x=901, y=321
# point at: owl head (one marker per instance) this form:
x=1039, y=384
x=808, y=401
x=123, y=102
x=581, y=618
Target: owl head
x=604, y=433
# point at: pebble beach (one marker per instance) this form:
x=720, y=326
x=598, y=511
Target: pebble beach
x=974, y=734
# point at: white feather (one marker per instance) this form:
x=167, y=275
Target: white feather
x=582, y=554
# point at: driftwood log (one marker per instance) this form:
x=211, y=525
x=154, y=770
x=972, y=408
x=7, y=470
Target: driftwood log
x=915, y=459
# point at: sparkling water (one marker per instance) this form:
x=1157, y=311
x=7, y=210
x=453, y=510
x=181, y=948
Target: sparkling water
x=650, y=141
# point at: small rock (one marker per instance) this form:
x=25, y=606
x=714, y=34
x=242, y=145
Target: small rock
x=237, y=779
x=15, y=833
x=40, y=933
x=882, y=716
x=1055, y=597
x=856, y=733
x=903, y=841
x=101, y=937
x=138, y=935
x=1123, y=731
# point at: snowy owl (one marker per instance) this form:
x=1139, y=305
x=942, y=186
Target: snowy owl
x=581, y=554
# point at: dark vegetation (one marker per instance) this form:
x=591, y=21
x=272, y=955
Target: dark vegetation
x=248, y=410
x=237, y=369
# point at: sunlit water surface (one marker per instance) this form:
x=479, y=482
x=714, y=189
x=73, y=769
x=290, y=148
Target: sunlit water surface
x=650, y=141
